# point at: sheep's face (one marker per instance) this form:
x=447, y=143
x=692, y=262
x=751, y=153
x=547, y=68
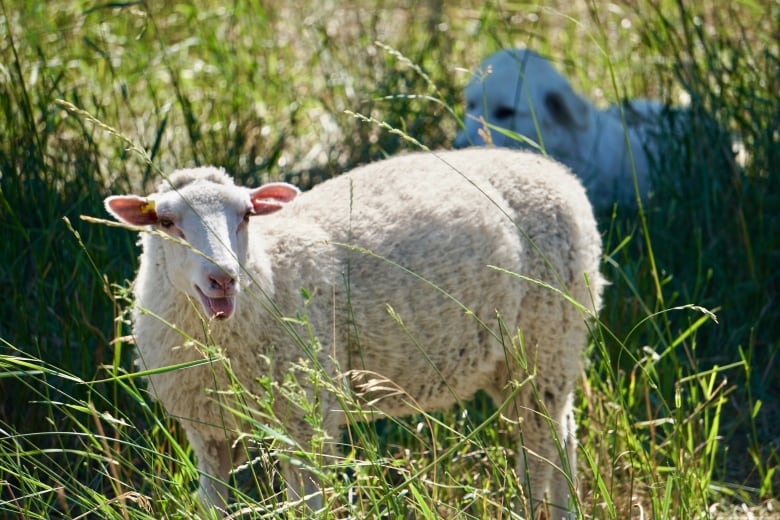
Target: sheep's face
x=203, y=235
x=520, y=91
x=212, y=220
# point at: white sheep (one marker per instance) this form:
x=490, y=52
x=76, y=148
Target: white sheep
x=520, y=91
x=405, y=261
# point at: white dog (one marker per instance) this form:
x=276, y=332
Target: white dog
x=517, y=95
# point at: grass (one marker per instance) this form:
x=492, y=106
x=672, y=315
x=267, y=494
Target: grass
x=678, y=409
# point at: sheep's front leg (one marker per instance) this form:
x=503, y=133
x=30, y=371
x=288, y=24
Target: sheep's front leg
x=302, y=484
x=214, y=464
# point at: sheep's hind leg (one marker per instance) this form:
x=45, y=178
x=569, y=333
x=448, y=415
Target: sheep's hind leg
x=546, y=454
x=563, y=486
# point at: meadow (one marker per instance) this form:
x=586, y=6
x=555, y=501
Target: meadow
x=679, y=403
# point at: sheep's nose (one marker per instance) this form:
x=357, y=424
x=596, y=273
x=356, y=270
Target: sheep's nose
x=222, y=282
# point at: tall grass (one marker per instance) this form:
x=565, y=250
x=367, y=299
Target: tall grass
x=678, y=407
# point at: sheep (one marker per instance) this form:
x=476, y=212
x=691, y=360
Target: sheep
x=520, y=91
x=406, y=264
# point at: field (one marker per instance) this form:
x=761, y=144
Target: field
x=679, y=404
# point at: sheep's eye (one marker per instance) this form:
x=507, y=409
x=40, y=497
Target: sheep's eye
x=166, y=223
x=505, y=112
x=247, y=215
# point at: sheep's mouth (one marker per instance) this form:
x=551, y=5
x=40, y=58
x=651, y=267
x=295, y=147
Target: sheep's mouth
x=219, y=307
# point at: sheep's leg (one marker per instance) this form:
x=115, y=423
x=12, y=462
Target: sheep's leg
x=302, y=484
x=214, y=463
x=558, y=455
x=565, y=482
x=546, y=455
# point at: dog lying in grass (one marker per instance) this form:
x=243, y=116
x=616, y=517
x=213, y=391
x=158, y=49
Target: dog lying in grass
x=518, y=99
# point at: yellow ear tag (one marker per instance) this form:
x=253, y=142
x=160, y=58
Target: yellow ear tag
x=148, y=207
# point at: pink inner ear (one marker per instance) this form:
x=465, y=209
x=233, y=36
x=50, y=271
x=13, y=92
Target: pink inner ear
x=267, y=198
x=131, y=209
x=264, y=207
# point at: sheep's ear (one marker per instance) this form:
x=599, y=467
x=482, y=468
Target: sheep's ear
x=268, y=197
x=567, y=109
x=132, y=209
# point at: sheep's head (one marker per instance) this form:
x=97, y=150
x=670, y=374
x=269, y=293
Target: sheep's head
x=207, y=217
x=520, y=91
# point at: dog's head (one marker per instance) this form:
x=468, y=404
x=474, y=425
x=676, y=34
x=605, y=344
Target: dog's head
x=520, y=92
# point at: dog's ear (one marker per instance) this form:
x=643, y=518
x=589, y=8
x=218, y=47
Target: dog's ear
x=567, y=109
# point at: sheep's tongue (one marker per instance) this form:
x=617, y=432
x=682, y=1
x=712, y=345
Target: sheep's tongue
x=221, y=308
